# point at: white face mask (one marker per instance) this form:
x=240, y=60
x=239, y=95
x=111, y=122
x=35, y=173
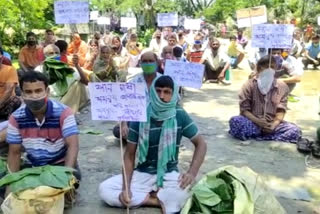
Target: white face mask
x=265, y=80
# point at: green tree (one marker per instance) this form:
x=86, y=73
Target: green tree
x=20, y=16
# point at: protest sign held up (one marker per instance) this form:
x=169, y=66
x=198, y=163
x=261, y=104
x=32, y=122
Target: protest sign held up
x=128, y=22
x=71, y=12
x=251, y=16
x=118, y=101
x=192, y=24
x=272, y=36
x=167, y=19
x=103, y=20
x=184, y=73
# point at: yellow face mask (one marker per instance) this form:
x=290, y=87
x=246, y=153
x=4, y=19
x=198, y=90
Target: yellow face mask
x=285, y=54
x=133, y=52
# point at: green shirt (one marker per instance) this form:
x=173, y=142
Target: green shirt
x=186, y=128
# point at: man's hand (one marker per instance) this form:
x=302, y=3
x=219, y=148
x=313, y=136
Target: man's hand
x=75, y=60
x=270, y=128
x=316, y=62
x=124, y=198
x=262, y=123
x=124, y=129
x=221, y=76
x=186, y=179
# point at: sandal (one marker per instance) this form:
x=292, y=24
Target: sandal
x=316, y=150
x=304, y=145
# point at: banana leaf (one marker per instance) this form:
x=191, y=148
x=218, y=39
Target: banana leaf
x=53, y=176
x=239, y=190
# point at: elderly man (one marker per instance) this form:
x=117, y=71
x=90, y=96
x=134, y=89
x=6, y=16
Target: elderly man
x=45, y=129
x=74, y=94
x=150, y=67
x=216, y=62
x=263, y=104
x=31, y=54
x=156, y=178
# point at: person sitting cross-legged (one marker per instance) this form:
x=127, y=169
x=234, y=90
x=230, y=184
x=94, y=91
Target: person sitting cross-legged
x=45, y=129
x=156, y=179
x=263, y=104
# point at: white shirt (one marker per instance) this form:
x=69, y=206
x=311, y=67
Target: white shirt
x=215, y=61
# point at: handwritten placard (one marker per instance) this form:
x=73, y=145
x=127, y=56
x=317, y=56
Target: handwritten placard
x=251, y=16
x=118, y=101
x=192, y=24
x=128, y=22
x=167, y=19
x=71, y=12
x=272, y=36
x=184, y=73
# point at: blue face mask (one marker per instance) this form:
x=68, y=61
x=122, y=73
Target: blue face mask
x=279, y=61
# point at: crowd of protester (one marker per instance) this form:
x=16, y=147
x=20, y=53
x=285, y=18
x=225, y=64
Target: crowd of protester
x=38, y=102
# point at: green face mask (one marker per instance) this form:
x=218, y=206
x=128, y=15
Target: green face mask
x=149, y=68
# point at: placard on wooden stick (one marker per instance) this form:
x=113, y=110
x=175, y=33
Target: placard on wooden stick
x=118, y=101
x=272, y=36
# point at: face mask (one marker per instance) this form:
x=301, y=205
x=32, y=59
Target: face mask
x=265, y=80
x=315, y=44
x=133, y=52
x=279, y=61
x=149, y=68
x=31, y=43
x=36, y=104
x=56, y=57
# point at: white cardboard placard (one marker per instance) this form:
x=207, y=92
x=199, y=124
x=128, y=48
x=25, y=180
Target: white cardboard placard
x=128, y=22
x=184, y=73
x=103, y=20
x=118, y=101
x=192, y=24
x=251, y=16
x=167, y=19
x=272, y=36
x=71, y=12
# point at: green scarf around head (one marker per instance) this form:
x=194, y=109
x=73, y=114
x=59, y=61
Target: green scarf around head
x=166, y=112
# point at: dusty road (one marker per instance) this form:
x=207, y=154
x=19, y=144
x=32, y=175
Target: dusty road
x=283, y=168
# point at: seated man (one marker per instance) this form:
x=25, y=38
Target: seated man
x=312, y=54
x=74, y=94
x=9, y=102
x=263, y=104
x=77, y=47
x=31, y=55
x=293, y=74
x=156, y=179
x=235, y=52
x=216, y=62
x=45, y=129
x=243, y=41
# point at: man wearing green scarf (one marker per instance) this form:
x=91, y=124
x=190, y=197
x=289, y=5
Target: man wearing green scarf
x=156, y=180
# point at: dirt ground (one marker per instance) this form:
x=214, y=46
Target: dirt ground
x=293, y=178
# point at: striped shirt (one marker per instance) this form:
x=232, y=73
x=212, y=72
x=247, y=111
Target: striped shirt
x=43, y=142
x=186, y=128
x=263, y=105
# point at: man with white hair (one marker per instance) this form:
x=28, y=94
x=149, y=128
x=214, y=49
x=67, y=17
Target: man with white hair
x=74, y=95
